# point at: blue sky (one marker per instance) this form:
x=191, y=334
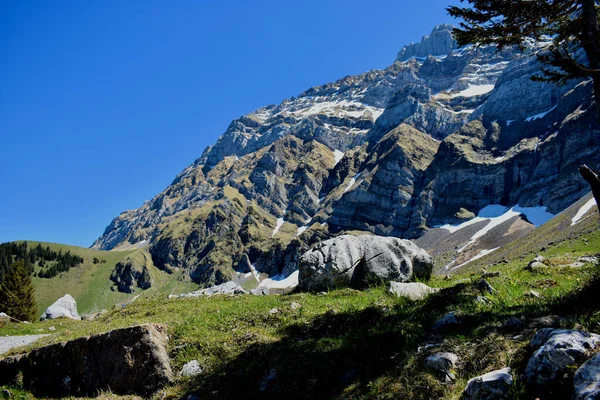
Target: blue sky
x=102, y=103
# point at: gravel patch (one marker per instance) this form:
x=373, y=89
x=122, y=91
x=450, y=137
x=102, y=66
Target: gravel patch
x=9, y=342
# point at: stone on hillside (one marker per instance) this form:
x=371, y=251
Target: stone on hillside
x=484, y=286
x=274, y=311
x=260, y=291
x=494, y=385
x=357, y=261
x=533, y=294
x=442, y=364
x=536, y=263
x=229, y=287
x=513, y=324
x=448, y=321
x=547, y=321
x=295, y=305
x=412, y=290
x=555, y=351
x=587, y=380
x=190, y=369
x=490, y=274
x=66, y=306
x=131, y=360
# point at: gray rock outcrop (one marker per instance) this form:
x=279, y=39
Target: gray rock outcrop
x=132, y=272
x=439, y=42
x=66, y=307
x=586, y=381
x=555, y=351
x=412, y=290
x=442, y=364
x=125, y=361
x=357, y=261
x=494, y=385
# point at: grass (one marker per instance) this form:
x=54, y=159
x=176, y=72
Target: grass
x=348, y=343
x=360, y=344
x=90, y=283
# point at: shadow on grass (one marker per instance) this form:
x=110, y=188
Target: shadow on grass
x=333, y=351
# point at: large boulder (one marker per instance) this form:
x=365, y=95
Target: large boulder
x=131, y=360
x=357, y=261
x=494, y=385
x=587, y=380
x=555, y=351
x=66, y=306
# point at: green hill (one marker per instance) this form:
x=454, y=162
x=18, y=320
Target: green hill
x=90, y=284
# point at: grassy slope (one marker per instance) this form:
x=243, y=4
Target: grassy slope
x=90, y=283
x=352, y=344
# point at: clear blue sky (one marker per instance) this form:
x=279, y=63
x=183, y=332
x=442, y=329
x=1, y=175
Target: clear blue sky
x=102, y=103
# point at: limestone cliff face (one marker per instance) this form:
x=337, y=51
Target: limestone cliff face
x=432, y=139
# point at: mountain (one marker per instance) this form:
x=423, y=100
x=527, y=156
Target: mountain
x=437, y=139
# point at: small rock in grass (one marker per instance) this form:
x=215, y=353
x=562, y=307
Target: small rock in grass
x=491, y=386
x=190, y=369
x=449, y=320
x=533, y=294
x=586, y=259
x=512, y=324
x=274, y=311
x=52, y=328
x=491, y=274
x=442, y=364
x=481, y=299
x=295, y=305
x=547, y=321
x=484, y=286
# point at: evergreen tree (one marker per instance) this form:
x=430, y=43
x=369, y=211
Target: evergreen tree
x=17, y=294
x=573, y=27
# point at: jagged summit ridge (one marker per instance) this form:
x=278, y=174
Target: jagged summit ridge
x=439, y=42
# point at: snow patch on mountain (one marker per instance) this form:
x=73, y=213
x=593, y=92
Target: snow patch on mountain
x=278, y=225
x=584, y=209
x=338, y=155
x=352, y=182
x=479, y=255
x=473, y=90
x=540, y=115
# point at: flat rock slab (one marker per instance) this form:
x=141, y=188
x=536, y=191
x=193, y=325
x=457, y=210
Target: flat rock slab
x=131, y=360
x=10, y=342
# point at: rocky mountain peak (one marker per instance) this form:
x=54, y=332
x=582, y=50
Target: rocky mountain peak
x=434, y=138
x=439, y=42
